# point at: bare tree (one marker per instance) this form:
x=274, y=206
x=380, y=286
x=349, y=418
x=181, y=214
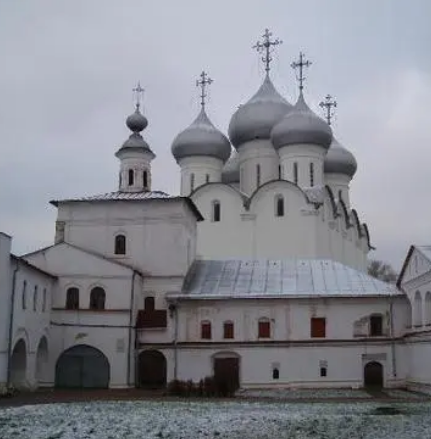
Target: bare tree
x=382, y=271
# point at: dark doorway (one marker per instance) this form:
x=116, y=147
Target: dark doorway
x=373, y=375
x=82, y=367
x=152, y=370
x=226, y=373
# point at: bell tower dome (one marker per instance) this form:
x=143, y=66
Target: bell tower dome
x=135, y=154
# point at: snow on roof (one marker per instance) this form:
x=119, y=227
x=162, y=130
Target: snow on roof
x=272, y=278
x=425, y=250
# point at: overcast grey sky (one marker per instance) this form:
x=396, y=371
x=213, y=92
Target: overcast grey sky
x=68, y=67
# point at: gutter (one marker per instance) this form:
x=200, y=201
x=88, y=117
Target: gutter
x=129, y=348
x=10, y=331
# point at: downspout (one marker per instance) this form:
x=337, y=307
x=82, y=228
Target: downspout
x=11, y=316
x=129, y=350
x=173, y=310
x=394, y=360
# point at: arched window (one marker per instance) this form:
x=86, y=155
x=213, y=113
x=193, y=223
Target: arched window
x=279, y=205
x=228, y=330
x=149, y=304
x=257, y=175
x=206, y=330
x=120, y=245
x=24, y=295
x=35, y=298
x=295, y=173
x=145, y=179
x=427, y=316
x=311, y=174
x=192, y=182
x=207, y=178
x=216, y=213
x=264, y=328
x=131, y=177
x=417, y=309
x=72, y=298
x=97, y=298
x=44, y=300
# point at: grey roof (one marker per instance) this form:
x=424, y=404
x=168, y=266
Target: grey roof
x=339, y=160
x=256, y=118
x=230, y=172
x=301, y=126
x=201, y=138
x=425, y=250
x=280, y=278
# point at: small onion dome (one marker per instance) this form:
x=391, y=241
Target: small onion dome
x=230, y=172
x=201, y=138
x=256, y=118
x=339, y=160
x=301, y=126
x=136, y=122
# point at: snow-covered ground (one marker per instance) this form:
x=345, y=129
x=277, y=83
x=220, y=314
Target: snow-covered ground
x=302, y=393
x=198, y=419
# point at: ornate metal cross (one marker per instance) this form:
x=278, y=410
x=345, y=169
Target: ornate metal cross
x=300, y=65
x=202, y=83
x=139, y=92
x=327, y=106
x=266, y=47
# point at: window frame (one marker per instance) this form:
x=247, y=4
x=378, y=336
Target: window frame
x=44, y=300
x=97, y=299
x=130, y=177
x=120, y=247
x=149, y=303
x=216, y=211
x=315, y=329
x=295, y=173
x=228, y=330
x=206, y=330
x=311, y=166
x=279, y=206
x=373, y=326
x=35, y=297
x=24, y=295
x=264, y=328
x=145, y=179
x=258, y=175
x=72, y=304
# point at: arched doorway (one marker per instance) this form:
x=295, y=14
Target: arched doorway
x=18, y=365
x=226, y=371
x=41, y=361
x=152, y=369
x=81, y=367
x=373, y=375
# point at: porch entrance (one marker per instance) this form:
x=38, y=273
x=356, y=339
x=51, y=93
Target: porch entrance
x=373, y=375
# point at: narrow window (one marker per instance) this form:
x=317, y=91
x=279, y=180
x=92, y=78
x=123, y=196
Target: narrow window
x=295, y=173
x=376, y=326
x=72, y=298
x=275, y=373
x=257, y=175
x=228, y=330
x=24, y=295
x=44, y=300
x=318, y=327
x=216, y=211
x=207, y=178
x=311, y=174
x=323, y=372
x=120, y=245
x=131, y=177
x=192, y=182
x=264, y=329
x=119, y=179
x=339, y=195
x=97, y=298
x=206, y=331
x=279, y=205
x=279, y=172
x=35, y=298
x=149, y=304
x=145, y=179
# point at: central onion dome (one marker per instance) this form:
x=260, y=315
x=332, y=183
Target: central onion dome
x=136, y=123
x=201, y=138
x=256, y=118
x=230, y=173
x=339, y=160
x=301, y=126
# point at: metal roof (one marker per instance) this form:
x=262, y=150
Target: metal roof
x=274, y=278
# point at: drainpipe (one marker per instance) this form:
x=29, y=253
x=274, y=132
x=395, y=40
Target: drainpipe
x=129, y=349
x=394, y=360
x=11, y=316
x=173, y=311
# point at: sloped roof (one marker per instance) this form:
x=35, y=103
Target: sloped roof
x=426, y=252
x=280, y=278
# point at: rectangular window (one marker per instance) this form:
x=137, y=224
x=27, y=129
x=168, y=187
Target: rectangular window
x=264, y=329
x=44, y=300
x=216, y=211
x=24, y=295
x=323, y=372
x=207, y=178
x=228, y=330
x=257, y=175
x=318, y=327
x=376, y=326
x=35, y=298
x=279, y=206
x=295, y=173
x=311, y=174
x=206, y=331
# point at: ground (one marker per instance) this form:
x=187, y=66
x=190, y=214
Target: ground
x=233, y=419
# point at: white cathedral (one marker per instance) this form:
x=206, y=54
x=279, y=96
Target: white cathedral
x=257, y=270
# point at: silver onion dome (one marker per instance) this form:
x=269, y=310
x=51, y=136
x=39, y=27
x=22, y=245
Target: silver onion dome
x=230, y=172
x=256, y=118
x=201, y=138
x=301, y=126
x=339, y=160
x=136, y=122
